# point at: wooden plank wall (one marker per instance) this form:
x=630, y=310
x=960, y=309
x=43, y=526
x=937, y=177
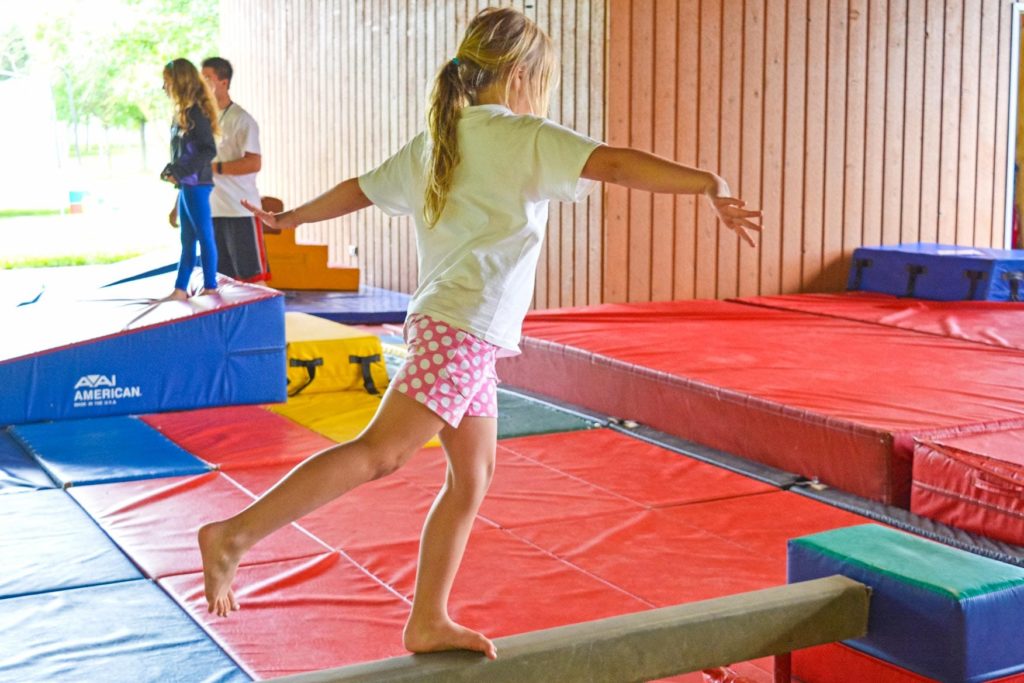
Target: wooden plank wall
x=339, y=86
x=849, y=122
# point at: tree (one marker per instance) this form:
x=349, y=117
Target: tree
x=14, y=55
x=110, y=70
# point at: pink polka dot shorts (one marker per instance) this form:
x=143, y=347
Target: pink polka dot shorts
x=448, y=370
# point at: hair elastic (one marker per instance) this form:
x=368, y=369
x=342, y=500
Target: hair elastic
x=455, y=61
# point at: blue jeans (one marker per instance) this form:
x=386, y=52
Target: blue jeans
x=196, y=224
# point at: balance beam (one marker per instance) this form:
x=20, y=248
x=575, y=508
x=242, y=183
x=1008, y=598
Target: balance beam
x=644, y=645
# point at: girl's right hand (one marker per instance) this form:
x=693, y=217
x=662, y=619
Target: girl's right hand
x=274, y=221
x=734, y=216
x=731, y=210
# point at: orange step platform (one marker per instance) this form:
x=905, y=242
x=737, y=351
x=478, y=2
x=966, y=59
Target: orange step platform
x=304, y=266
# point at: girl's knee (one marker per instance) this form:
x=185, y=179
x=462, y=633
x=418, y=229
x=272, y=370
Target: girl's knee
x=472, y=483
x=384, y=457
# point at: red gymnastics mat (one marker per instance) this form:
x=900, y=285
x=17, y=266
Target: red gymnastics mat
x=840, y=400
x=239, y=436
x=973, y=482
x=576, y=526
x=155, y=521
x=997, y=323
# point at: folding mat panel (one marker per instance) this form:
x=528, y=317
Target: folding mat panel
x=985, y=322
x=48, y=543
x=239, y=436
x=944, y=272
x=679, y=554
x=324, y=611
x=388, y=511
x=301, y=615
x=19, y=472
x=377, y=524
x=122, y=632
x=655, y=555
x=105, y=449
x=118, y=351
x=520, y=415
x=973, y=482
x=637, y=470
x=506, y=586
x=523, y=491
x=368, y=306
x=155, y=521
x=822, y=397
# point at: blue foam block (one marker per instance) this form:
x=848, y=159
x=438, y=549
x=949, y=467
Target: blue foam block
x=49, y=543
x=127, y=632
x=105, y=450
x=939, y=272
x=18, y=471
x=368, y=306
x=124, y=355
x=940, y=612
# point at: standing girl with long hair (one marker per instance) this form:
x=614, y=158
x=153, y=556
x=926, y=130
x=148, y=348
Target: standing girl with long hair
x=477, y=184
x=193, y=147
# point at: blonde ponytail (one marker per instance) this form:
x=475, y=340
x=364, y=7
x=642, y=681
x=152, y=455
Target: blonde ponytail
x=446, y=103
x=497, y=42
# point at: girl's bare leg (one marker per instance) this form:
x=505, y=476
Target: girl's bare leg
x=400, y=427
x=471, y=451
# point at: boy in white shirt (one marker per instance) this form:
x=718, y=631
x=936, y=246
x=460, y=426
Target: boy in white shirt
x=239, y=234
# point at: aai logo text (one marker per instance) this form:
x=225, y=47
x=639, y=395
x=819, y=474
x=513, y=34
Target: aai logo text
x=102, y=390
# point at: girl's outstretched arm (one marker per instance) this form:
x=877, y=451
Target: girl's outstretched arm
x=644, y=171
x=343, y=198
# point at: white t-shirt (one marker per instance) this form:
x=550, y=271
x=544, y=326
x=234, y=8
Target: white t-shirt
x=239, y=134
x=477, y=265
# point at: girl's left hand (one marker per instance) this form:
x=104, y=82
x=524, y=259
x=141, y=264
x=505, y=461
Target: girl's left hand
x=274, y=221
x=732, y=214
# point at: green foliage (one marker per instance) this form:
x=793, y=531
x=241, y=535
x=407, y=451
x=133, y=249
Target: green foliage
x=111, y=70
x=66, y=260
x=17, y=213
x=14, y=55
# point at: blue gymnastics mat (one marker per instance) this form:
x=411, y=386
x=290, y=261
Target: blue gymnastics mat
x=49, y=543
x=19, y=472
x=368, y=306
x=105, y=450
x=122, y=632
x=940, y=272
x=120, y=351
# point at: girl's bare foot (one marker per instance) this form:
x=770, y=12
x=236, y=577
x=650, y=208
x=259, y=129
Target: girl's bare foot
x=220, y=561
x=206, y=292
x=176, y=295
x=445, y=635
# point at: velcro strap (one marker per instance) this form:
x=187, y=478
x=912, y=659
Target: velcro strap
x=310, y=365
x=366, y=362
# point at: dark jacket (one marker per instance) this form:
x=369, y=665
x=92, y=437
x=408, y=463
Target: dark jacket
x=192, y=150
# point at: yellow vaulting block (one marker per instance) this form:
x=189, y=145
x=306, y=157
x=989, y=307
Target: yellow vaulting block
x=304, y=266
x=340, y=415
x=338, y=357
x=335, y=403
